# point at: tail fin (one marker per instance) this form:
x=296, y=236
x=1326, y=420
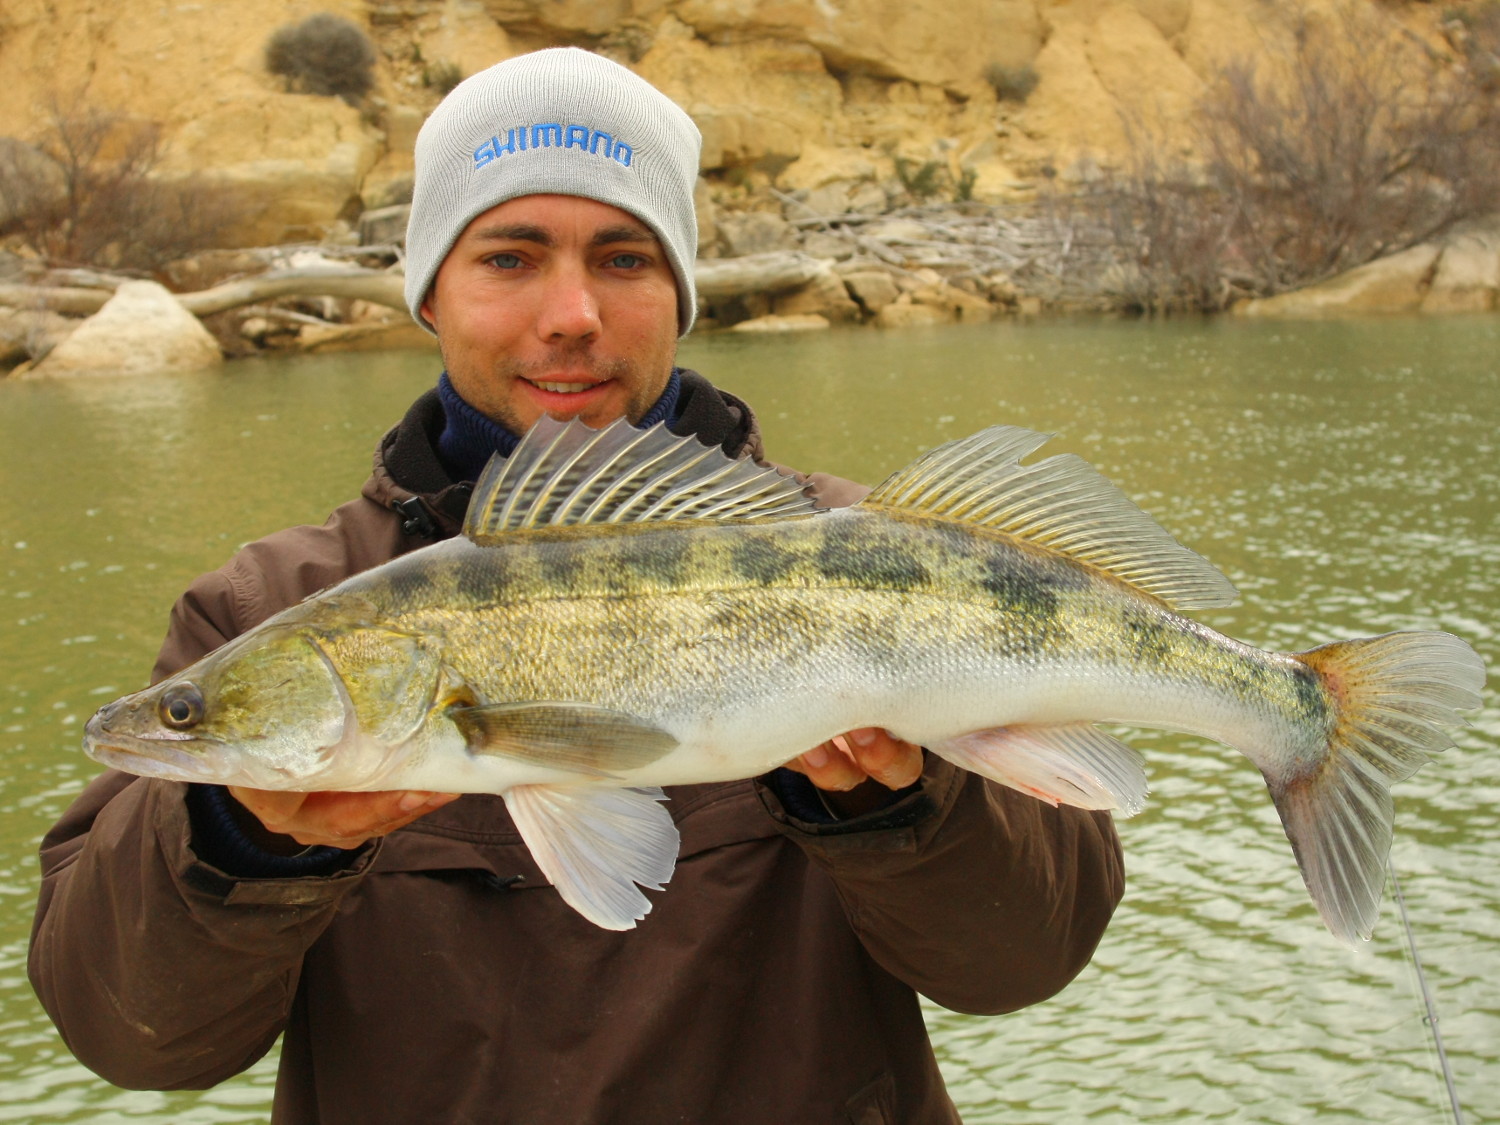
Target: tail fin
x=1394, y=695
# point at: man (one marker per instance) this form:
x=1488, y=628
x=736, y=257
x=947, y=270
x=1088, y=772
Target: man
x=430, y=974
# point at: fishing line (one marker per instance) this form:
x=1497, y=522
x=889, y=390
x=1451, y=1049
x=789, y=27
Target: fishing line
x=1431, y=1019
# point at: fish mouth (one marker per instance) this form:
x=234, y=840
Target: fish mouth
x=149, y=757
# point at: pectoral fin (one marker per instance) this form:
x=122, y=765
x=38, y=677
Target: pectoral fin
x=595, y=844
x=566, y=736
x=1073, y=764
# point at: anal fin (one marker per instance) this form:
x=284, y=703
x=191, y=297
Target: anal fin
x=1071, y=764
x=596, y=844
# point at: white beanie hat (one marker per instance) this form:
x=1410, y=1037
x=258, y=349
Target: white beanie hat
x=561, y=121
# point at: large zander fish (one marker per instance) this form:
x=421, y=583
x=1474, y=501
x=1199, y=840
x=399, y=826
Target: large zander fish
x=627, y=609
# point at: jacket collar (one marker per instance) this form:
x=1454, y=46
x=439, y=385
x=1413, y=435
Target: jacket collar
x=407, y=464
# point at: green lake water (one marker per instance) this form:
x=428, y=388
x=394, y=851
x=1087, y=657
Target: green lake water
x=1346, y=477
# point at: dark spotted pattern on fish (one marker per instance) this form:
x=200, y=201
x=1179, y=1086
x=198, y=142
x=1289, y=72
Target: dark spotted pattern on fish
x=663, y=559
x=761, y=560
x=878, y=565
x=1149, y=638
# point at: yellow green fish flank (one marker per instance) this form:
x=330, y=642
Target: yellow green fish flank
x=627, y=610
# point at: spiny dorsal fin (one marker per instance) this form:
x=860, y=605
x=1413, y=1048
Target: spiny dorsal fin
x=1061, y=503
x=567, y=473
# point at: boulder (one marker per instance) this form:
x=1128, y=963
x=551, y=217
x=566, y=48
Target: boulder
x=904, y=314
x=956, y=303
x=874, y=289
x=1398, y=283
x=825, y=295
x=140, y=330
x=754, y=232
x=1468, y=273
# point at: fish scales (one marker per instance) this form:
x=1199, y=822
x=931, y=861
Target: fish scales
x=634, y=617
x=626, y=610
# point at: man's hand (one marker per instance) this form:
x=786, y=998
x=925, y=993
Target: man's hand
x=843, y=766
x=285, y=823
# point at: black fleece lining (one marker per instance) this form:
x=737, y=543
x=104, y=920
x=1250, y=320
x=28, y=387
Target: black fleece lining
x=409, y=450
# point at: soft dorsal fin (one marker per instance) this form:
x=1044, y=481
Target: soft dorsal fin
x=1061, y=503
x=567, y=473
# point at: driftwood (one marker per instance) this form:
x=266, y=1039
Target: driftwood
x=60, y=299
x=718, y=278
x=365, y=285
x=715, y=279
x=1059, y=249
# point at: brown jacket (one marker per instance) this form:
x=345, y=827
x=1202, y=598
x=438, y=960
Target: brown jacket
x=775, y=981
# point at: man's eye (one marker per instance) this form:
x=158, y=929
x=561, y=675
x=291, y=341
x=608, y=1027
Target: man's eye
x=627, y=261
x=504, y=261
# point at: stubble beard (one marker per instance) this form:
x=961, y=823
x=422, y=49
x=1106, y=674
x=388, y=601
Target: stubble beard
x=643, y=393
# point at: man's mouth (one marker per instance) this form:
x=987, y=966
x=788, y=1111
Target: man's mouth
x=561, y=388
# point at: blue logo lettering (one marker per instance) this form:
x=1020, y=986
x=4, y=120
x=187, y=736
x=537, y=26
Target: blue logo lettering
x=551, y=134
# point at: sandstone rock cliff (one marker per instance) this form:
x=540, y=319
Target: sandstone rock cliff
x=801, y=95
x=808, y=108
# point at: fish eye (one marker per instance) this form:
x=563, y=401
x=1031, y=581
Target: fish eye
x=181, y=706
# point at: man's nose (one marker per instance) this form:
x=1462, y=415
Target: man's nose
x=570, y=309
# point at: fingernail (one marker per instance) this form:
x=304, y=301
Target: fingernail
x=816, y=758
x=410, y=802
x=862, y=737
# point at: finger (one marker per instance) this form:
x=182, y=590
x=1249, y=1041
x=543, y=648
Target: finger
x=272, y=808
x=339, y=820
x=830, y=766
x=347, y=820
x=893, y=763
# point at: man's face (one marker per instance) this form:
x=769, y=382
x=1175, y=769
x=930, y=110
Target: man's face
x=554, y=304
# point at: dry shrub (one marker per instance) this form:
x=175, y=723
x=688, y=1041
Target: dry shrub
x=324, y=54
x=1011, y=83
x=1172, y=237
x=1360, y=144
x=86, y=194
